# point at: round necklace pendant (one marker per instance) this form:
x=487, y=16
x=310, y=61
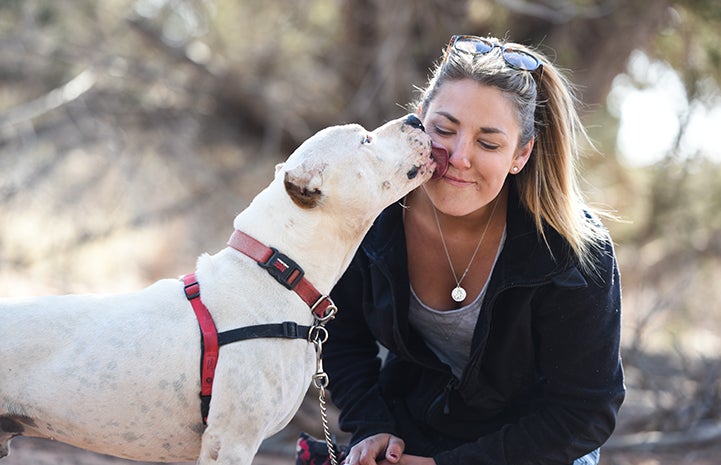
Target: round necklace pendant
x=458, y=294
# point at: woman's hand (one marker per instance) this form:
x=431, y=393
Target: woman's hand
x=407, y=459
x=383, y=449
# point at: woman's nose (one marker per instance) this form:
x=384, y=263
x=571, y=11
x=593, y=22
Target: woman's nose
x=459, y=155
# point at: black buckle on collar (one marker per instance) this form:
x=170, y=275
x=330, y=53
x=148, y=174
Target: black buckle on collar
x=283, y=269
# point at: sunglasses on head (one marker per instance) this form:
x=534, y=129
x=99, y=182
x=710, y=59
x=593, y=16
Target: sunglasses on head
x=515, y=58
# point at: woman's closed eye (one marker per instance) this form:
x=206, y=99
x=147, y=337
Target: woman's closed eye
x=488, y=145
x=483, y=143
x=443, y=132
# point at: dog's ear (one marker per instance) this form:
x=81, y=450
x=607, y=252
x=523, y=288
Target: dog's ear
x=278, y=167
x=303, y=186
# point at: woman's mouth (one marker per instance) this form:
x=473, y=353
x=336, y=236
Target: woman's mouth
x=457, y=181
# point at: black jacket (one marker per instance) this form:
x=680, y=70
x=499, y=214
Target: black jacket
x=544, y=382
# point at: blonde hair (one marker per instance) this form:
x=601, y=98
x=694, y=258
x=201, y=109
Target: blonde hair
x=546, y=108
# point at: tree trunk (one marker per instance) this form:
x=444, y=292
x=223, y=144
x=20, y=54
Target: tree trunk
x=595, y=43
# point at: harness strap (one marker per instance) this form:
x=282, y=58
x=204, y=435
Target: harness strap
x=285, y=330
x=208, y=342
x=284, y=270
x=211, y=340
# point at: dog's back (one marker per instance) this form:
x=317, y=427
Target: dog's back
x=97, y=371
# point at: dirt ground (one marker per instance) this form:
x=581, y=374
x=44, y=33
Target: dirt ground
x=30, y=451
x=280, y=448
x=706, y=456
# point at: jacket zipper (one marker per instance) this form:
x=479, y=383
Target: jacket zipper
x=452, y=384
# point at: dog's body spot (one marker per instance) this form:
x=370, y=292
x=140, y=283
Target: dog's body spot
x=413, y=172
x=130, y=437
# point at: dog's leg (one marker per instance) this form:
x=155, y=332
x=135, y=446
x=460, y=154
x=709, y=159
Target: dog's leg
x=259, y=386
x=225, y=448
x=9, y=428
x=237, y=424
x=4, y=444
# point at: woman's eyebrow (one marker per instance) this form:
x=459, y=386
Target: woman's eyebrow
x=448, y=116
x=483, y=129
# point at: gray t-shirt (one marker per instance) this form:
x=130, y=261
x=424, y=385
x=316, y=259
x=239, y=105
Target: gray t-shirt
x=448, y=333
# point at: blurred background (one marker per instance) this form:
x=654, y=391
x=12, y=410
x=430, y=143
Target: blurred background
x=133, y=131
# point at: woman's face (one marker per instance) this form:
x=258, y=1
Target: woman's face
x=478, y=126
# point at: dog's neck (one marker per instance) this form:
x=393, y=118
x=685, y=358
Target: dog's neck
x=300, y=234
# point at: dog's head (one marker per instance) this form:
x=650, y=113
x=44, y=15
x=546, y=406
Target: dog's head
x=354, y=172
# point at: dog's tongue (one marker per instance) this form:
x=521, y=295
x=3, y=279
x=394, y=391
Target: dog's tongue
x=440, y=155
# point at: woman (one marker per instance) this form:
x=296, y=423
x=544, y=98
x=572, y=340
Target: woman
x=494, y=290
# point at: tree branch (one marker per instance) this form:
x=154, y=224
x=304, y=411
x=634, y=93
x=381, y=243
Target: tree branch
x=56, y=98
x=560, y=11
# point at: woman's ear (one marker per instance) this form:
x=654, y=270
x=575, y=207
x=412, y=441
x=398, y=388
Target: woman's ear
x=522, y=156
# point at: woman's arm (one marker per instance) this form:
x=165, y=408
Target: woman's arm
x=352, y=362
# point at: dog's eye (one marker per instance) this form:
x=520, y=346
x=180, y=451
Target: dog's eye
x=367, y=139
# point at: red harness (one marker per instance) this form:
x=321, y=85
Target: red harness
x=286, y=272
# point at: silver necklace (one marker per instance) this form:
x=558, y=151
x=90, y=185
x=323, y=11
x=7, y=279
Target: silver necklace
x=459, y=293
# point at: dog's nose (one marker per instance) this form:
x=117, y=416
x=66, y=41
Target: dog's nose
x=413, y=121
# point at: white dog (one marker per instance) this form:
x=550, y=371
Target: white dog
x=119, y=374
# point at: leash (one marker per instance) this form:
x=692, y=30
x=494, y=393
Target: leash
x=319, y=334
x=290, y=275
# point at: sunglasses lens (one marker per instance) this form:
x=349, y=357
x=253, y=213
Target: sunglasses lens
x=521, y=60
x=473, y=45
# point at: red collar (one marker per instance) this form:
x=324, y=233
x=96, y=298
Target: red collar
x=285, y=271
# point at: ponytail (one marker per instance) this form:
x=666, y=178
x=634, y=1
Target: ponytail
x=548, y=185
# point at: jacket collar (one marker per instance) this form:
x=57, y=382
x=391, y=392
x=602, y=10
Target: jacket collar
x=525, y=258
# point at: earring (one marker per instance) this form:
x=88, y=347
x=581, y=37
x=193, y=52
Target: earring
x=514, y=169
